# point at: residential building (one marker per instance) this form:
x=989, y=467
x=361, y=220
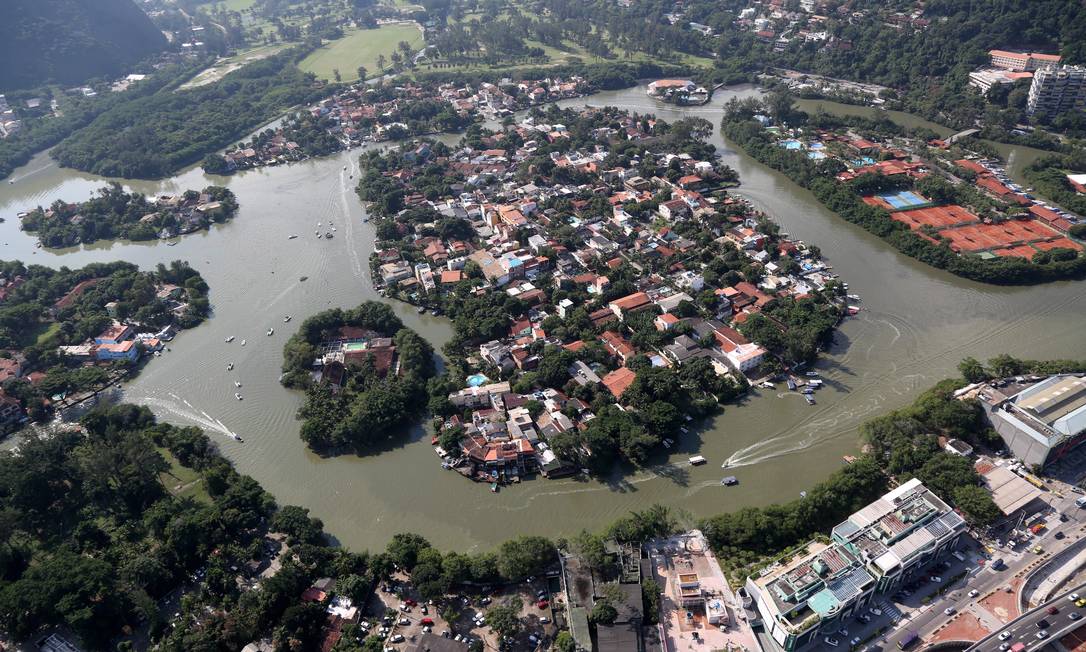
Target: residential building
x=126, y=350
x=1058, y=90
x=1040, y=422
x=874, y=551
x=1023, y=61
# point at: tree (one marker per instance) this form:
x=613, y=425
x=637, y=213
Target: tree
x=362, y=73
x=977, y=504
x=504, y=619
x=381, y=61
x=297, y=524
x=564, y=642
x=404, y=549
x=972, y=370
x=525, y=556
x=336, y=75
x=603, y=612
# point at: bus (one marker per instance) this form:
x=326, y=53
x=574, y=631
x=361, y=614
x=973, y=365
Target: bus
x=910, y=639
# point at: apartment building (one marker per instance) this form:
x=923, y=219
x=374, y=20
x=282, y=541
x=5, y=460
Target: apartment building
x=1058, y=90
x=1023, y=61
x=874, y=551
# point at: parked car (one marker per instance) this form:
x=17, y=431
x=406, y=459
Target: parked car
x=936, y=579
x=1074, y=615
x=398, y=638
x=1004, y=636
x=832, y=642
x=949, y=611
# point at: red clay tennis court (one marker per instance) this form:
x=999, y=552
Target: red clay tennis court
x=1022, y=251
x=939, y=217
x=978, y=237
x=1065, y=243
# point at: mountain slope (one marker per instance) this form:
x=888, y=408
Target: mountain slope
x=68, y=41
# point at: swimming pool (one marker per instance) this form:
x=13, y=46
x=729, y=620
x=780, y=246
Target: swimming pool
x=791, y=144
x=475, y=380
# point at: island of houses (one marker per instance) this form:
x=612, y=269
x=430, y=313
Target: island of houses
x=600, y=251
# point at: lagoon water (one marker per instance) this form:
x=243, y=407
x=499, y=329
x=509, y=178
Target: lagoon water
x=916, y=325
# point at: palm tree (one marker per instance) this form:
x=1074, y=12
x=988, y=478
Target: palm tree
x=381, y=61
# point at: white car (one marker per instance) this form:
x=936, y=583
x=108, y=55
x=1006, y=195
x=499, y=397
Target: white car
x=832, y=642
x=1004, y=646
x=974, y=593
x=1073, y=597
x=398, y=638
x=949, y=611
x=875, y=612
x=1004, y=636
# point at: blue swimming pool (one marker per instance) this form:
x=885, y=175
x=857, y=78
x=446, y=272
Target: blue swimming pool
x=475, y=380
x=791, y=144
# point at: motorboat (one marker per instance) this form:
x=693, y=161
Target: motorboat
x=237, y=396
x=810, y=399
x=243, y=342
x=287, y=318
x=237, y=383
x=730, y=481
x=421, y=310
x=291, y=237
x=328, y=234
x=811, y=374
x=697, y=460
x=271, y=331
x=236, y=437
x=229, y=339
x=229, y=366
x=791, y=385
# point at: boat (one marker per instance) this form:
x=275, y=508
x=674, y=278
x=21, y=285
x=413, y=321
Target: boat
x=171, y=244
x=287, y=318
x=684, y=430
x=768, y=385
x=229, y=366
x=730, y=481
x=271, y=331
x=811, y=374
x=807, y=391
x=237, y=383
x=853, y=297
x=803, y=494
x=291, y=237
x=697, y=460
x=328, y=234
x=854, y=310
x=814, y=383
x=235, y=436
x=237, y=396
x=810, y=399
x=317, y=233
x=791, y=385
x=494, y=487
x=229, y=339
x=668, y=443
x=421, y=310
x=243, y=342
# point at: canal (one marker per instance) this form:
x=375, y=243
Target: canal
x=916, y=325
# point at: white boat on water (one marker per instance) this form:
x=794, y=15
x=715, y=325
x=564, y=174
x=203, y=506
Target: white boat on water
x=229, y=339
x=236, y=437
x=287, y=318
x=237, y=396
x=229, y=366
x=237, y=383
x=697, y=460
x=243, y=342
x=271, y=331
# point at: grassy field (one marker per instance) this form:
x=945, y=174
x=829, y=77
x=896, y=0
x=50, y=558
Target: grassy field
x=359, y=48
x=181, y=481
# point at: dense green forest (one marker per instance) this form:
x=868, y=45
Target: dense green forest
x=844, y=199
x=70, y=41
x=113, y=214
x=369, y=406
x=40, y=132
x=156, y=136
x=32, y=326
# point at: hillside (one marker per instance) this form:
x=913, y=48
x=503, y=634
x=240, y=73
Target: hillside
x=68, y=41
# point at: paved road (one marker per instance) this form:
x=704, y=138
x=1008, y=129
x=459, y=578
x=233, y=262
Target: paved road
x=1025, y=628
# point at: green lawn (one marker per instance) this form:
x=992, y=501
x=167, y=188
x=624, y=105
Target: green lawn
x=359, y=48
x=52, y=329
x=181, y=481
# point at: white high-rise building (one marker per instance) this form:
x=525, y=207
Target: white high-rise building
x=1058, y=90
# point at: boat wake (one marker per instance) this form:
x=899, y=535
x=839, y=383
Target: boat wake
x=192, y=414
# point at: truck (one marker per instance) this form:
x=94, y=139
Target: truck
x=909, y=640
